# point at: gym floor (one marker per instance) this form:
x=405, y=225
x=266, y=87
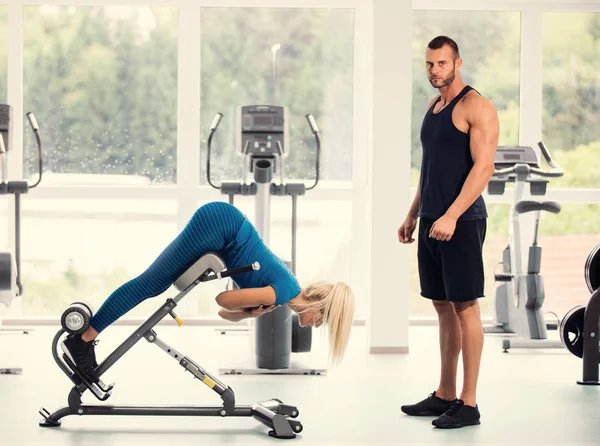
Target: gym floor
x=525, y=397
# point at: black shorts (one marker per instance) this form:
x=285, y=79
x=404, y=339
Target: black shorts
x=452, y=270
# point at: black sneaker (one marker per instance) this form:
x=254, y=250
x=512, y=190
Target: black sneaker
x=458, y=415
x=94, y=362
x=432, y=406
x=83, y=355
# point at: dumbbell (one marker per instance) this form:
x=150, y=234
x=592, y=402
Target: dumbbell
x=76, y=318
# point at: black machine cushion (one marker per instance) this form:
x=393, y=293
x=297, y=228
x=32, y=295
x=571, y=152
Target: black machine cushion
x=529, y=206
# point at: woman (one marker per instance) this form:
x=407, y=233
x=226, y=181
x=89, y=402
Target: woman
x=221, y=228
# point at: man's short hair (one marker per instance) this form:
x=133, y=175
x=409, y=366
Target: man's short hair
x=440, y=41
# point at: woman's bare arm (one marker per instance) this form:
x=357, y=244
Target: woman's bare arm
x=246, y=298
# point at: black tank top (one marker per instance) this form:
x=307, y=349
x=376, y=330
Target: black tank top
x=446, y=164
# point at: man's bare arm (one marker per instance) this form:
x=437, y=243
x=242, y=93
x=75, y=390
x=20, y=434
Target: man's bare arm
x=484, y=134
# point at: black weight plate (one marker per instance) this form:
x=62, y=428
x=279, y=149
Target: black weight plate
x=592, y=269
x=571, y=330
x=5, y=271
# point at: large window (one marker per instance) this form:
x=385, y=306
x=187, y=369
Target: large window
x=3, y=50
x=571, y=95
x=102, y=82
x=566, y=240
x=489, y=44
x=302, y=59
x=4, y=215
x=84, y=249
x=299, y=58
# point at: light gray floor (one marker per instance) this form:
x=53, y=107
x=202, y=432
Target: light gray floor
x=525, y=397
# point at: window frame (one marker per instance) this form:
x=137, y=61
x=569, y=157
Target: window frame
x=188, y=190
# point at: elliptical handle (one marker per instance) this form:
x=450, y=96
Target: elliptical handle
x=216, y=121
x=213, y=129
x=315, y=130
x=556, y=171
x=523, y=168
x=312, y=123
x=36, y=130
x=505, y=171
x=32, y=121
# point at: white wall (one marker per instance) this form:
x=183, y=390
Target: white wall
x=389, y=171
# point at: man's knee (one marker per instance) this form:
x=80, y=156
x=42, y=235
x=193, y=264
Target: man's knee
x=466, y=309
x=442, y=306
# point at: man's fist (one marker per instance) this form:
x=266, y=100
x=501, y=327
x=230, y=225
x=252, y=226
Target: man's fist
x=406, y=230
x=443, y=228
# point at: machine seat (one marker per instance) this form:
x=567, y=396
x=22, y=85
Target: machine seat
x=525, y=206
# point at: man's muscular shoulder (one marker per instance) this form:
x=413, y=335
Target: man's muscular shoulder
x=473, y=105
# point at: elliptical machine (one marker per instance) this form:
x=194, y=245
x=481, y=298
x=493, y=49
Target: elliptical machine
x=520, y=293
x=272, y=413
x=10, y=268
x=262, y=140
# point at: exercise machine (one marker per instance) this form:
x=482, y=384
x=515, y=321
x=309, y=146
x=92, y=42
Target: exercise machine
x=262, y=140
x=580, y=327
x=520, y=294
x=272, y=413
x=10, y=267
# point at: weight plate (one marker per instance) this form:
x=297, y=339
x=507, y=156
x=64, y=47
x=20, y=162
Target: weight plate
x=5, y=271
x=571, y=330
x=592, y=269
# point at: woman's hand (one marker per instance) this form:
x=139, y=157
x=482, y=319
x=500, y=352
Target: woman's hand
x=260, y=310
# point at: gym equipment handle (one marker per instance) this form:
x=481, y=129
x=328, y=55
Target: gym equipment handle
x=36, y=129
x=556, y=171
x=242, y=269
x=32, y=121
x=315, y=130
x=232, y=272
x=312, y=123
x=213, y=129
x=215, y=123
x=547, y=156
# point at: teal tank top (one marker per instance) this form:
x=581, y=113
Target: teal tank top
x=248, y=247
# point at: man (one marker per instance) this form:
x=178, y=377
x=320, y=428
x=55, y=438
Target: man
x=459, y=136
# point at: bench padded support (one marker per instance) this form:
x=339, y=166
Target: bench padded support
x=208, y=262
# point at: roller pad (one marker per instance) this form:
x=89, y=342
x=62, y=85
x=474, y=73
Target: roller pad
x=207, y=262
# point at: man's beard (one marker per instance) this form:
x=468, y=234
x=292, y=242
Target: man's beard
x=444, y=82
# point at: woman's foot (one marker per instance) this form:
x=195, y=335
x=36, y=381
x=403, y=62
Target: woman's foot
x=83, y=355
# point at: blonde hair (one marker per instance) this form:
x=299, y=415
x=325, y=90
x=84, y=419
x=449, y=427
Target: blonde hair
x=336, y=304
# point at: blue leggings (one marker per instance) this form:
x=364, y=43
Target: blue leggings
x=211, y=228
